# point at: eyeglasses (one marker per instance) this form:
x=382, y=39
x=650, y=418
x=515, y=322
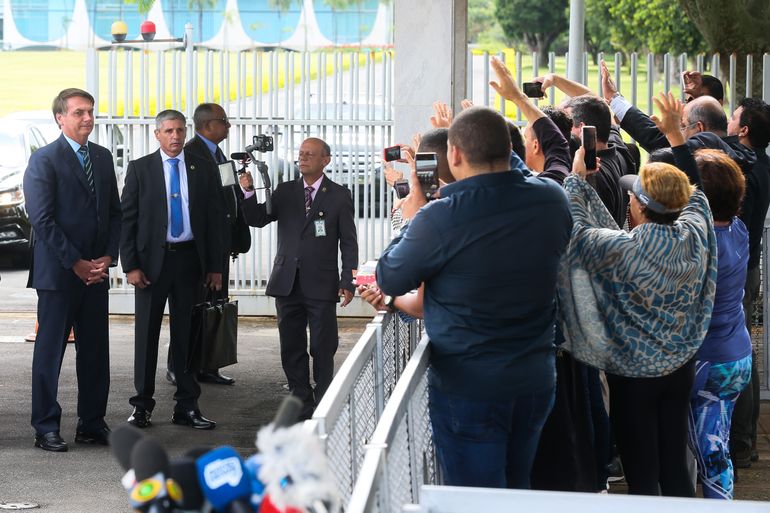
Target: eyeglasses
x=685, y=127
x=224, y=120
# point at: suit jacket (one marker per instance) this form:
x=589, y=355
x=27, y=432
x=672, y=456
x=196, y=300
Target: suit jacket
x=69, y=221
x=298, y=246
x=145, y=215
x=234, y=228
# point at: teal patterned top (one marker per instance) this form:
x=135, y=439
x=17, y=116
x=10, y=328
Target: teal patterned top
x=636, y=303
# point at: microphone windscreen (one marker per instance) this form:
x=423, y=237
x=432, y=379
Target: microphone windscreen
x=288, y=412
x=148, y=458
x=223, y=478
x=185, y=473
x=122, y=441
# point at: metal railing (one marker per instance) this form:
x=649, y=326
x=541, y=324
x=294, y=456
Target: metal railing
x=351, y=408
x=400, y=457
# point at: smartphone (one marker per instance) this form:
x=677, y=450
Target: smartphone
x=391, y=153
x=588, y=136
x=533, y=89
x=426, y=165
x=402, y=188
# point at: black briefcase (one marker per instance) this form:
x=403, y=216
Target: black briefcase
x=214, y=335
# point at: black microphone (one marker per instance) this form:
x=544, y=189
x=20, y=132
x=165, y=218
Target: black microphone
x=288, y=412
x=150, y=464
x=184, y=472
x=122, y=441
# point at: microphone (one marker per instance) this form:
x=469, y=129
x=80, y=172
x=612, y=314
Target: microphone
x=224, y=481
x=122, y=441
x=288, y=412
x=184, y=472
x=150, y=463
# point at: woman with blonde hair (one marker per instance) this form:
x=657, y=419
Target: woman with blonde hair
x=637, y=305
x=723, y=362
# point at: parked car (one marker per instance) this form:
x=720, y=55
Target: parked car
x=18, y=141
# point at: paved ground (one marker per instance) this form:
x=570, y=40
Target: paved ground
x=87, y=478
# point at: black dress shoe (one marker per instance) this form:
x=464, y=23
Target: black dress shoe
x=192, y=418
x=100, y=437
x=140, y=418
x=50, y=441
x=171, y=377
x=215, y=377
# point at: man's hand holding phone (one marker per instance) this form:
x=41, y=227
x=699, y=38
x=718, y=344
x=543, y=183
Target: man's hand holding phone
x=416, y=199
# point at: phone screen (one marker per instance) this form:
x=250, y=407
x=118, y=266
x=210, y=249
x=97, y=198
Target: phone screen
x=402, y=188
x=588, y=136
x=391, y=153
x=533, y=89
x=426, y=165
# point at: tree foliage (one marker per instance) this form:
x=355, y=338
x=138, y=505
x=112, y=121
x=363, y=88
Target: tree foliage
x=535, y=24
x=481, y=20
x=633, y=26
x=741, y=27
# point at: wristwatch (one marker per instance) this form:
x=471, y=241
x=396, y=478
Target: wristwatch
x=388, y=302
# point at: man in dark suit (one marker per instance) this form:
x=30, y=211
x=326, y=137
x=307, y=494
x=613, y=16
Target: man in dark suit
x=171, y=241
x=72, y=199
x=315, y=216
x=211, y=128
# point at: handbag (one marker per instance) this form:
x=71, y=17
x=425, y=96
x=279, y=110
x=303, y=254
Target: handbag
x=214, y=334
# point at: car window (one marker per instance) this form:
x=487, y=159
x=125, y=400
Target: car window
x=36, y=140
x=12, y=152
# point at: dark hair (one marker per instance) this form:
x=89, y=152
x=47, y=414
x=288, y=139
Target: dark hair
x=722, y=181
x=561, y=119
x=59, y=105
x=592, y=110
x=710, y=115
x=435, y=140
x=756, y=116
x=517, y=141
x=662, y=155
x=633, y=149
x=714, y=87
x=168, y=114
x=203, y=113
x=482, y=136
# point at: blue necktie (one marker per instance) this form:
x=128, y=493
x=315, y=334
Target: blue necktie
x=177, y=225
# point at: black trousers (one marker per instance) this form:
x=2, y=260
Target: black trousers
x=181, y=283
x=225, y=292
x=295, y=313
x=649, y=419
x=743, y=429
x=84, y=308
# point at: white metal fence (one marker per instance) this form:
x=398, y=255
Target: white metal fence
x=346, y=418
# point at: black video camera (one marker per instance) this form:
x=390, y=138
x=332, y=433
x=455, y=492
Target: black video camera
x=261, y=143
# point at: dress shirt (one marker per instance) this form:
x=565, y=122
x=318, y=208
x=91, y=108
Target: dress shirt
x=211, y=146
x=187, y=233
x=315, y=185
x=75, y=147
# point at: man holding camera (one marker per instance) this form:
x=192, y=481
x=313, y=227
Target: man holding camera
x=487, y=252
x=211, y=128
x=315, y=217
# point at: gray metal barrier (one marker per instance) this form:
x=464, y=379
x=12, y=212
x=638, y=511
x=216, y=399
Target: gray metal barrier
x=346, y=417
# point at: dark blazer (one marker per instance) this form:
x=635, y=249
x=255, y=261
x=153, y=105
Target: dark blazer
x=298, y=247
x=234, y=227
x=69, y=222
x=145, y=215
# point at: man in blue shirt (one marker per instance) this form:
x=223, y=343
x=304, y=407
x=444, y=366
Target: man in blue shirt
x=488, y=253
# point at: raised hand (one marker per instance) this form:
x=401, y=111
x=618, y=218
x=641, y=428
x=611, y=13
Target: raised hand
x=442, y=117
x=609, y=89
x=670, y=120
x=466, y=104
x=505, y=85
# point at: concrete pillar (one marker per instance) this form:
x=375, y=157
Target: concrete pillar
x=431, y=40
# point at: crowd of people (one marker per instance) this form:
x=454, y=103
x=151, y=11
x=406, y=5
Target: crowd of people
x=583, y=319
x=579, y=318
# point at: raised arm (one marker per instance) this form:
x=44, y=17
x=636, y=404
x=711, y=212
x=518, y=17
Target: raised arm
x=563, y=84
x=506, y=87
x=669, y=123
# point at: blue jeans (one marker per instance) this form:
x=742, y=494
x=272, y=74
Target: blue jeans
x=488, y=443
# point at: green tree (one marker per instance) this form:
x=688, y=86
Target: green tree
x=537, y=25
x=659, y=26
x=482, y=23
x=740, y=27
